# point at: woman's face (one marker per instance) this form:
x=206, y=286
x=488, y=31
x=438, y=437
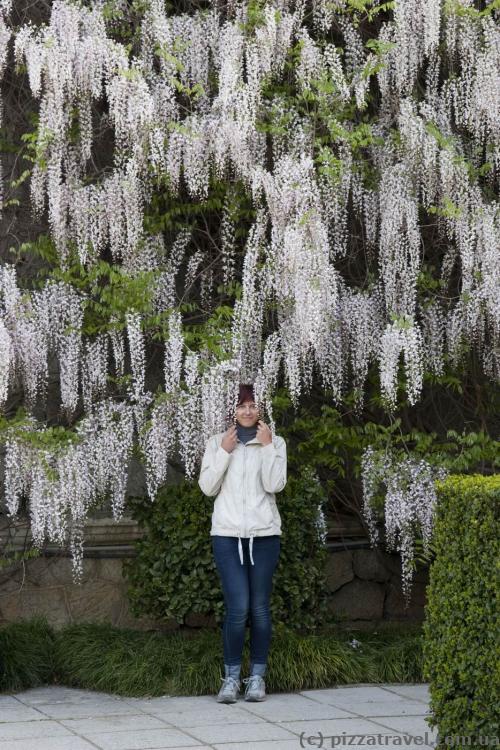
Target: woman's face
x=247, y=413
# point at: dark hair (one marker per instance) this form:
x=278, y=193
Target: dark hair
x=245, y=393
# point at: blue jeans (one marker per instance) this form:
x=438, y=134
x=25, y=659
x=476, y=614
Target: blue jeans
x=247, y=590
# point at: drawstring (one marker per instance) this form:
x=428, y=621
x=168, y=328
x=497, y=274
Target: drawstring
x=250, y=547
x=240, y=549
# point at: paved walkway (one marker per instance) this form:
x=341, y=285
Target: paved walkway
x=60, y=718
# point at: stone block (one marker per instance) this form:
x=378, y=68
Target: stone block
x=363, y=600
x=393, y=562
x=34, y=601
x=394, y=608
x=369, y=564
x=96, y=601
x=111, y=570
x=57, y=570
x=338, y=569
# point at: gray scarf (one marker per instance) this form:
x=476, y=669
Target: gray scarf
x=245, y=433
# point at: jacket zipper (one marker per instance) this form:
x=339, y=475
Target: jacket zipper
x=244, y=488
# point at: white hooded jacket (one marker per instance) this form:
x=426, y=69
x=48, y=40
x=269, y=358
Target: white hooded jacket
x=244, y=482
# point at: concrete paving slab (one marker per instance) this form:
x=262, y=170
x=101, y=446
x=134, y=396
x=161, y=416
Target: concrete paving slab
x=143, y=739
x=48, y=743
x=333, y=727
x=351, y=694
x=384, y=708
x=414, y=725
x=414, y=692
x=265, y=745
x=119, y=723
x=249, y=733
x=20, y=730
x=171, y=704
x=20, y=713
x=294, y=707
x=218, y=714
x=85, y=709
x=7, y=701
x=295, y=745
x=61, y=694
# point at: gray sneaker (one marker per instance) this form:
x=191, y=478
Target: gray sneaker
x=229, y=690
x=255, y=688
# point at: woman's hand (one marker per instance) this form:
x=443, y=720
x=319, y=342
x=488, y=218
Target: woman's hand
x=264, y=434
x=230, y=439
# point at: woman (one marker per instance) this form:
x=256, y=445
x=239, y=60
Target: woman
x=243, y=467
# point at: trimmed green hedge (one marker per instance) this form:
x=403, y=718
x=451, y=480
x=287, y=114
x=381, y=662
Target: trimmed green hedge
x=461, y=625
x=174, y=573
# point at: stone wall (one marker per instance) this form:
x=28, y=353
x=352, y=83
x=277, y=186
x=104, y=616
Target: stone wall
x=364, y=585
x=44, y=587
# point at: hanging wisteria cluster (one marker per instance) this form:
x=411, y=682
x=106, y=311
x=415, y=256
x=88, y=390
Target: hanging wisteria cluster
x=409, y=502
x=321, y=525
x=62, y=487
x=436, y=70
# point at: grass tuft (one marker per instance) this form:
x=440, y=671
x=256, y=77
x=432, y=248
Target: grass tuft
x=26, y=654
x=101, y=657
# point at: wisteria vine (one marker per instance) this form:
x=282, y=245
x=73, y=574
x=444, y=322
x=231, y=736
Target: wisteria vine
x=435, y=66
